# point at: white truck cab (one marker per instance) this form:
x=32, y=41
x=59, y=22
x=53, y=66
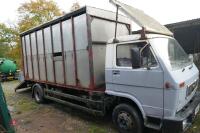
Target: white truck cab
x=151, y=69
x=157, y=75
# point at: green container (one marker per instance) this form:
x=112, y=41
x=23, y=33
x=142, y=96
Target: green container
x=7, y=67
x=6, y=121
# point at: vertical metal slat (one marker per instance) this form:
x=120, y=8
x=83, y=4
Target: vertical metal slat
x=27, y=75
x=22, y=54
x=45, y=62
x=31, y=57
x=37, y=55
x=63, y=53
x=75, y=57
x=52, y=45
x=90, y=52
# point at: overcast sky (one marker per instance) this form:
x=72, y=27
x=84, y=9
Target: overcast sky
x=165, y=11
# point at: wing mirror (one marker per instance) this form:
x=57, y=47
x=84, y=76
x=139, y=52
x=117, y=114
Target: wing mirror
x=136, y=58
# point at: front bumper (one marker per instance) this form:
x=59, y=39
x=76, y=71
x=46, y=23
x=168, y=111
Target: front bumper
x=186, y=116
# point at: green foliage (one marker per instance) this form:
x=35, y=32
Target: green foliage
x=4, y=50
x=7, y=34
x=8, y=37
x=36, y=12
x=31, y=14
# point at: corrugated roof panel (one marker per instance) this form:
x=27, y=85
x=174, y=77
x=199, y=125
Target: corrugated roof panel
x=143, y=20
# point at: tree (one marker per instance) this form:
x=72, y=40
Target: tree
x=7, y=34
x=75, y=6
x=36, y=12
x=4, y=50
x=8, y=37
x=31, y=14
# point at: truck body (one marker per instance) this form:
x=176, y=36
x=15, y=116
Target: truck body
x=70, y=51
x=146, y=79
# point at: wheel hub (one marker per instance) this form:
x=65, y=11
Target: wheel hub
x=125, y=121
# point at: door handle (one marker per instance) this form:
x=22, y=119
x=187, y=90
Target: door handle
x=116, y=72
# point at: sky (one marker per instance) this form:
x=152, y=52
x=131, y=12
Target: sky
x=165, y=11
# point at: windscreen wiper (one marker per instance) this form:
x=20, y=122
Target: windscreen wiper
x=191, y=66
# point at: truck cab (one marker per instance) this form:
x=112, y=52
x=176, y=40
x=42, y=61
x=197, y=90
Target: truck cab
x=156, y=74
x=151, y=68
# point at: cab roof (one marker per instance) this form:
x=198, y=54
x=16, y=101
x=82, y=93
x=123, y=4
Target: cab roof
x=135, y=37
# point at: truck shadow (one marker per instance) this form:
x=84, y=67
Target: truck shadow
x=102, y=121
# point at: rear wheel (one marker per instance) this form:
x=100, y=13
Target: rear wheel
x=38, y=93
x=127, y=119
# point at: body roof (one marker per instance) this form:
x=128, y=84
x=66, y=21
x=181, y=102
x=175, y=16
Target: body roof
x=93, y=11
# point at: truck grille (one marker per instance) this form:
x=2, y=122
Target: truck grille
x=192, y=87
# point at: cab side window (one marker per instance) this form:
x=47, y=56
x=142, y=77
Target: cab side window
x=124, y=58
x=124, y=55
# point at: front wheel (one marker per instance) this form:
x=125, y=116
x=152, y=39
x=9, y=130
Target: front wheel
x=127, y=119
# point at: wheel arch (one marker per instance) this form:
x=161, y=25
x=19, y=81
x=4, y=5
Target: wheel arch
x=127, y=98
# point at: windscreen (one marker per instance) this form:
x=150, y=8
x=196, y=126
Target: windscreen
x=171, y=52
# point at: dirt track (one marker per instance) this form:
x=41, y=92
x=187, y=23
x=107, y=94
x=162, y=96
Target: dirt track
x=52, y=117
x=57, y=118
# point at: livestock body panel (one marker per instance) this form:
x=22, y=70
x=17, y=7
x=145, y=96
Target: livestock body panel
x=28, y=54
x=70, y=50
x=102, y=31
x=24, y=56
x=34, y=56
x=57, y=53
x=81, y=39
x=41, y=55
x=49, y=55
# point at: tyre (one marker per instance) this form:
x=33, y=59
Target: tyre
x=127, y=119
x=38, y=93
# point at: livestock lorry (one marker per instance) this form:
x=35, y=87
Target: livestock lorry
x=88, y=59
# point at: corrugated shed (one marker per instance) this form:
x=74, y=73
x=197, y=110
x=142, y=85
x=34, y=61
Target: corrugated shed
x=183, y=24
x=188, y=34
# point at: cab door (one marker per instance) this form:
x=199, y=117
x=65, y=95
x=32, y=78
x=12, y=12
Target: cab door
x=144, y=83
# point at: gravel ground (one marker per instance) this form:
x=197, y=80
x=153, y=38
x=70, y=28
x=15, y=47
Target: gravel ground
x=57, y=118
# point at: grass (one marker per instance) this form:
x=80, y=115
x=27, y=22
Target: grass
x=95, y=129
x=20, y=102
x=195, y=126
x=25, y=104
